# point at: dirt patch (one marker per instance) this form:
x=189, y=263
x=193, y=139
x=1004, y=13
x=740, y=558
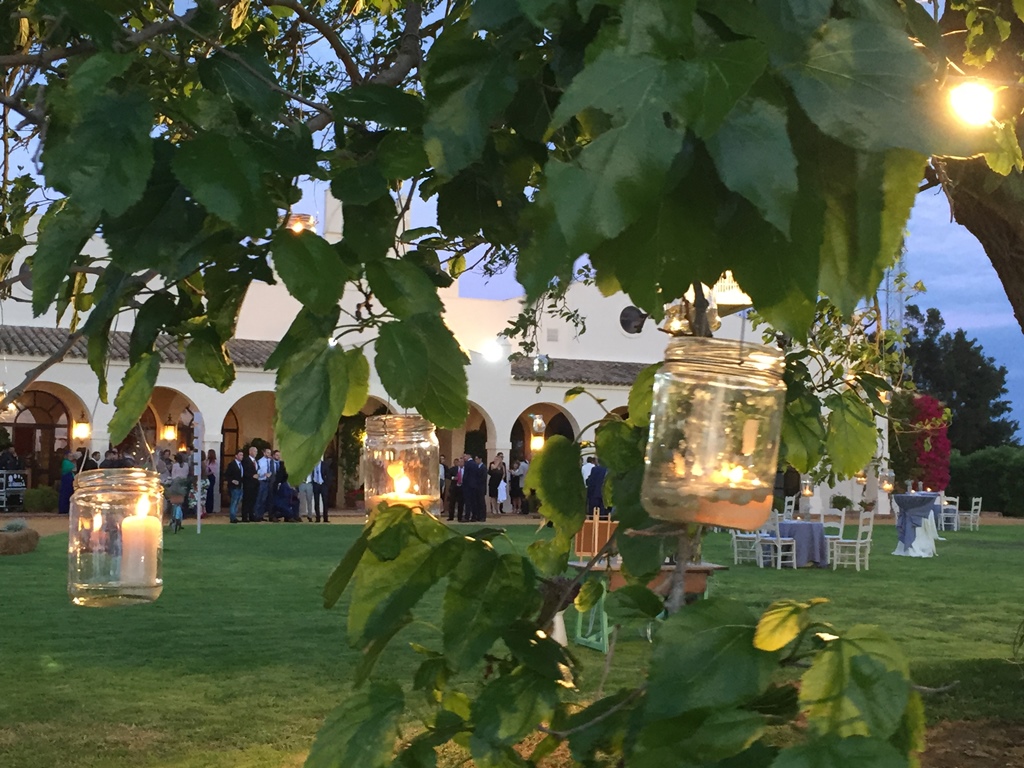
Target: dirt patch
x=975, y=744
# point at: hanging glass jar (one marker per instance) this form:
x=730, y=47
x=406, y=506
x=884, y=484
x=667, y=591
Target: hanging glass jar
x=887, y=480
x=713, y=445
x=401, y=463
x=806, y=487
x=115, y=541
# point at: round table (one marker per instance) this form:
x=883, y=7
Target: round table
x=811, y=546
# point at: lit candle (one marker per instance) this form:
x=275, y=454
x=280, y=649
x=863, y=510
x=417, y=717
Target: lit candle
x=141, y=538
x=401, y=496
x=750, y=430
x=96, y=542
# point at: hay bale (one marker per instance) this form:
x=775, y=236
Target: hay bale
x=18, y=542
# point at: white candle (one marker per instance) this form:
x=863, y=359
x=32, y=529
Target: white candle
x=141, y=537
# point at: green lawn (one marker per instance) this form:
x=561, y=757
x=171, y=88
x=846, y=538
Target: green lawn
x=237, y=663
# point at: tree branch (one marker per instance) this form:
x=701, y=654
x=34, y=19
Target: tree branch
x=409, y=52
x=325, y=29
x=636, y=693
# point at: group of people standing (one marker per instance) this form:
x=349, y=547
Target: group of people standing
x=259, y=490
x=470, y=490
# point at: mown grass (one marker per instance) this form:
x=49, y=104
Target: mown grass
x=237, y=663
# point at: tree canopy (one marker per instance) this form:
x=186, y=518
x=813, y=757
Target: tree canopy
x=956, y=370
x=668, y=140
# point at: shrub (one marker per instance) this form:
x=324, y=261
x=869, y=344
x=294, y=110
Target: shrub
x=42, y=499
x=996, y=474
x=17, y=524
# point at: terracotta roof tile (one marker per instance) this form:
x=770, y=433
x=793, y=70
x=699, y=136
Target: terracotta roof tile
x=36, y=341
x=568, y=371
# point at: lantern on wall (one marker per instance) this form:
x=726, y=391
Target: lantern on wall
x=401, y=460
x=169, y=431
x=115, y=541
x=713, y=444
x=537, y=429
x=806, y=487
x=81, y=429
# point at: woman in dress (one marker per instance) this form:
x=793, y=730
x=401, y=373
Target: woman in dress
x=515, y=487
x=67, y=482
x=497, y=473
x=211, y=478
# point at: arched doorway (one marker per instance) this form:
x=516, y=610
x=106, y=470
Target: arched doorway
x=344, y=454
x=473, y=437
x=558, y=421
x=250, y=418
x=38, y=425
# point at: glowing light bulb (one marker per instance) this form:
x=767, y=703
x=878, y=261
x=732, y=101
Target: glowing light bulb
x=973, y=103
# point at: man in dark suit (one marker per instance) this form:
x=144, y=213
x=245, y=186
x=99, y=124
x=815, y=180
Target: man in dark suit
x=233, y=474
x=278, y=475
x=456, y=504
x=469, y=487
x=595, y=489
x=250, y=485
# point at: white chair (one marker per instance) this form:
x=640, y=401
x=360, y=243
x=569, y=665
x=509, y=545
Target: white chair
x=834, y=522
x=782, y=550
x=789, y=509
x=972, y=517
x=949, y=513
x=858, y=550
x=746, y=547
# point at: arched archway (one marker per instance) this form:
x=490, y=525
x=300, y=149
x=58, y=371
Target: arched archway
x=476, y=436
x=38, y=424
x=558, y=421
x=344, y=453
x=251, y=417
x=172, y=421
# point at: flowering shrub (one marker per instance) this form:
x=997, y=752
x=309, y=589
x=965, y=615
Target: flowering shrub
x=931, y=443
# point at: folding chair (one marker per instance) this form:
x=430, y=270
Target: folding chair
x=592, y=626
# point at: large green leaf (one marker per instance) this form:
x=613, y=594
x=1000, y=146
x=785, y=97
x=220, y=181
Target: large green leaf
x=402, y=359
x=369, y=230
x=468, y=82
x=704, y=657
x=782, y=623
x=403, y=288
x=343, y=572
x=223, y=174
x=310, y=268
x=381, y=104
x=866, y=84
x=509, y=708
x=641, y=396
x=754, y=157
x=362, y=731
x=719, y=78
x=63, y=231
x=307, y=328
x=484, y=596
x=618, y=175
x=133, y=396
x=857, y=686
x=358, y=382
x=715, y=736
x=834, y=752
x=803, y=434
x=852, y=433
x=243, y=75
x=555, y=474
x=312, y=387
x=207, y=360
x=104, y=157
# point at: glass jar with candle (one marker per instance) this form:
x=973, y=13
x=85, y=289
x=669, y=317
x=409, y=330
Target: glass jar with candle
x=115, y=541
x=713, y=444
x=401, y=463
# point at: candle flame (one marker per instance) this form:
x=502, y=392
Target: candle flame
x=97, y=521
x=142, y=506
x=396, y=470
x=402, y=484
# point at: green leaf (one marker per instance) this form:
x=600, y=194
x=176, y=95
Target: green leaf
x=133, y=396
x=591, y=592
x=358, y=382
x=633, y=601
x=803, y=434
x=715, y=736
x=467, y=82
x=403, y=288
x=866, y=85
x=1009, y=156
x=718, y=79
x=782, y=623
x=610, y=716
x=380, y=104
x=104, y=158
x=343, y=572
x=910, y=735
x=641, y=396
x=619, y=174
x=852, y=434
x=223, y=174
x=306, y=329
x=243, y=75
x=310, y=269
x=362, y=731
x=857, y=686
x=385, y=591
x=312, y=387
x=704, y=657
x=485, y=595
x=509, y=708
x=401, y=359
x=445, y=401
x=99, y=344
x=551, y=557
x=555, y=474
x=369, y=230
x=834, y=752
x=207, y=360
x=400, y=155
x=359, y=184
x=63, y=231
x=754, y=158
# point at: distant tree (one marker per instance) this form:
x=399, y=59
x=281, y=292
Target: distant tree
x=956, y=370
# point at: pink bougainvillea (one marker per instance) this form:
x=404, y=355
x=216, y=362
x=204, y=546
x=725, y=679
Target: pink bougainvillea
x=931, y=444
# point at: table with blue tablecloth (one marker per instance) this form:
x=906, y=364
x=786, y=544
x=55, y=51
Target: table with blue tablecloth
x=811, y=546
x=916, y=523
